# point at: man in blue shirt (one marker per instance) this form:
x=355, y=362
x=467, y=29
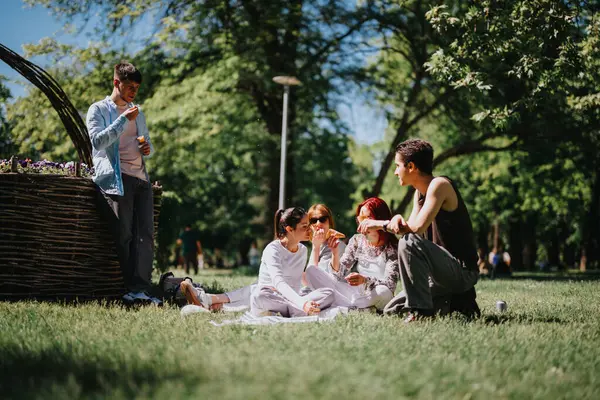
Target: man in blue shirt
x=120, y=141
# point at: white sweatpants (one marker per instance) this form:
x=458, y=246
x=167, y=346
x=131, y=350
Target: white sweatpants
x=347, y=295
x=267, y=299
x=241, y=297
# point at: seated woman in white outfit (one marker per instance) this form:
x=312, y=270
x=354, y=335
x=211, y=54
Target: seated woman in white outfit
x=376, y=258
x=281, y=271
x=320, y=219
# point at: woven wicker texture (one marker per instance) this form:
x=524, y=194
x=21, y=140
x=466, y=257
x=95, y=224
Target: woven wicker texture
x=53, y=242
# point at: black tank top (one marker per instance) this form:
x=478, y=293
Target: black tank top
x=454, y=231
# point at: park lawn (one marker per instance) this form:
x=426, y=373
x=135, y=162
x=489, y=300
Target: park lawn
x=545, y=346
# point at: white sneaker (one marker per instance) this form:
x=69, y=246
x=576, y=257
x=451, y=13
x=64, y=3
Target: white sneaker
x=192, y=309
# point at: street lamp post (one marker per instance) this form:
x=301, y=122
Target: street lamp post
x=286, y=81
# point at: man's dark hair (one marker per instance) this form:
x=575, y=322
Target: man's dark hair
x=418, y=152
x=127, y=72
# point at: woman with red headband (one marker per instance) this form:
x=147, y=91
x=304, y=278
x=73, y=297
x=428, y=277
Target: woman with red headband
x=376, y=258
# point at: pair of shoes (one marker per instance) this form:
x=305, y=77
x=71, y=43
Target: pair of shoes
x=136, y=297
x=154, y=300
x=141, y=298
x=196, y=296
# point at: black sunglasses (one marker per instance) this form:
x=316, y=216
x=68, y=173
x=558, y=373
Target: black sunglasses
x=320, y=219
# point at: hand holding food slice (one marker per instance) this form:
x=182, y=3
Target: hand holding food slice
x=330, y=233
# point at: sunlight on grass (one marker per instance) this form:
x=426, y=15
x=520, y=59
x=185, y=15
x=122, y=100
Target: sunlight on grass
x=544, y=346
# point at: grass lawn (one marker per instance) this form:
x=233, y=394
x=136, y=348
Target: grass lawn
x=547, y=345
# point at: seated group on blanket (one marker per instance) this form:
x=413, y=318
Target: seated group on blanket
x=435, y=258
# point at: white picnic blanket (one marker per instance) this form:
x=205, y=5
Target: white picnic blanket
x=249, y=319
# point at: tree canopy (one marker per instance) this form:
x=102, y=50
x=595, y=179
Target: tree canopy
x=507, y=92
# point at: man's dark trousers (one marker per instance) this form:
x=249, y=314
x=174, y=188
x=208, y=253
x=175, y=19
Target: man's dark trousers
x=134, y=232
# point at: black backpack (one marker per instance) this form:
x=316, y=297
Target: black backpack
x=169, y=288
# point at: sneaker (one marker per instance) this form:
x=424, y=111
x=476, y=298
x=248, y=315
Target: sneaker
x=192, y=309
x=129, y=297
x=155, y=301
x=141, y=298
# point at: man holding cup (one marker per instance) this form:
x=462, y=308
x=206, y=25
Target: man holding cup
x=120, y=141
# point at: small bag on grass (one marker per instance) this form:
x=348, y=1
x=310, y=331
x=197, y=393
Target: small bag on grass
x=169, y=287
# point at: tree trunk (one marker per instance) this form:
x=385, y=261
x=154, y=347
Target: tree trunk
x=568, y=255
x=591, y=228
x=529, y=242
x=482, y=239
x=553, y=251
x=243, y=248
x=583, y=260
x=515, y=238
x=496, y=241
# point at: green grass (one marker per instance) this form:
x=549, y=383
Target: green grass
x=545, y=346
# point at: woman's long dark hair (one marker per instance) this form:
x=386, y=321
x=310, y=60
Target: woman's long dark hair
x=288, y=217
x=380, y=211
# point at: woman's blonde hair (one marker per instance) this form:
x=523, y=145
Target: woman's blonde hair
x=323, y=209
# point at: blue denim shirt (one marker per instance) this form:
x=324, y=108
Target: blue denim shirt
x=105, y=127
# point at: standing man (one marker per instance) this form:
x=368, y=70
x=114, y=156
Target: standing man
x=437, y=255
x=191, y=248
x=120, y=140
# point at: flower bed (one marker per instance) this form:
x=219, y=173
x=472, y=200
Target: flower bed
x=53, y=241
x=45, y=167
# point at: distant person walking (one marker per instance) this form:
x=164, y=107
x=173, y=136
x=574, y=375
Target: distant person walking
x=254, y=256
x=191, y=248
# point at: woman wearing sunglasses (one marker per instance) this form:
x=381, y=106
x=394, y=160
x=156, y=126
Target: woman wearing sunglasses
x=324, y=250
x=279, y=267
x=376, y=258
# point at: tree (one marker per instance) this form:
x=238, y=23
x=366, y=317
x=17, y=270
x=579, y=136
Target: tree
x=523, y=64
x=267, y=38
x=6, y=145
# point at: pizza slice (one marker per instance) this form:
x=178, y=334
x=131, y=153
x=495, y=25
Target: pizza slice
x=330, y=233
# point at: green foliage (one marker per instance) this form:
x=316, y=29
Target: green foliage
x=519, y=60
x=475, y=79
x=6, y=145
x=213, y=111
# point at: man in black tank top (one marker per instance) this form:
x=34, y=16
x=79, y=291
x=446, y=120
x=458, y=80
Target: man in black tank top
x=437, y=254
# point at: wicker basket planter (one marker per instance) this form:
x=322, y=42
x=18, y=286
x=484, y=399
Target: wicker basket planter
x=53, y=241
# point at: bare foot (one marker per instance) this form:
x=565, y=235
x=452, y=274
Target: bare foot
x=189, y=292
